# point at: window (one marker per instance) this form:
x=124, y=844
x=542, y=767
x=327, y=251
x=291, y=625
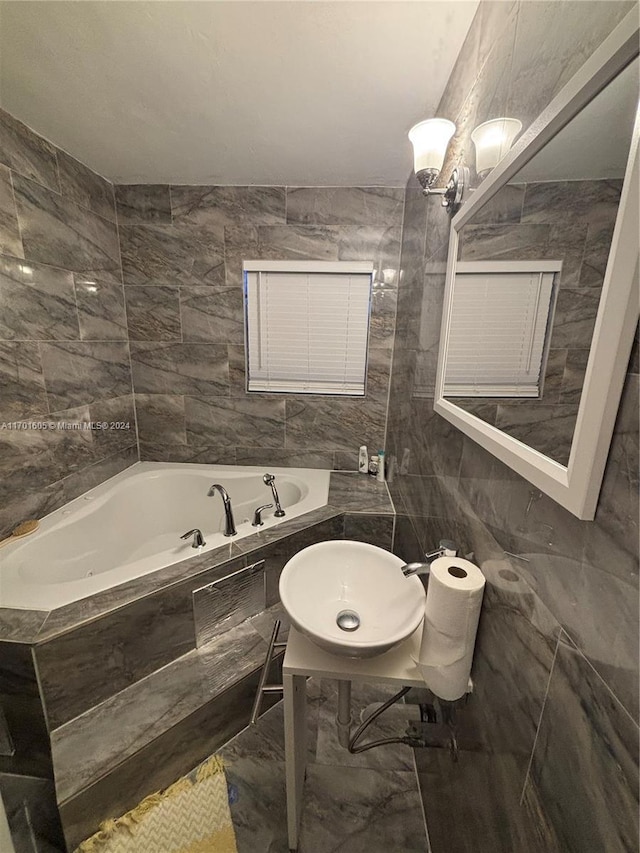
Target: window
x=307, y=326
x=497, y=337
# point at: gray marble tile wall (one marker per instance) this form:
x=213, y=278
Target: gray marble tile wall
x=182, y=251
x=530, y=221
x=556, y=670
x=64, y=354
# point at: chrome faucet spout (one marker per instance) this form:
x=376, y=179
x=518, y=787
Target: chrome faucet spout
x=229, y=524
x=270, y=480
x=415, y=569
x=446, y=548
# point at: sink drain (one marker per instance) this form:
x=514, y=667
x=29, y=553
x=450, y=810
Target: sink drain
x=348, y=620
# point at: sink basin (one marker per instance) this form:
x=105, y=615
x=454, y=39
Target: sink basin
x=354, y=585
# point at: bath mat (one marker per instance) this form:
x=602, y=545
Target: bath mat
x=189, y=817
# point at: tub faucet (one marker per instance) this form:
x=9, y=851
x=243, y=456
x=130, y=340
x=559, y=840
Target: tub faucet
x=270, y=480
x=446, y=548
x=198, y=538
x=229, y=524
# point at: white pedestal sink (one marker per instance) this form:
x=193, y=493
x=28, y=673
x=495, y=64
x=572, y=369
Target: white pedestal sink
x=351, y=598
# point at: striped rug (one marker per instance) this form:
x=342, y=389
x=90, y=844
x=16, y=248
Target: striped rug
x=189, y=817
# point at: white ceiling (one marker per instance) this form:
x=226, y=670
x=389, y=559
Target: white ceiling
x=297, y=93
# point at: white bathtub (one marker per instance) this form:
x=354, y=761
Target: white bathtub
x=131, y=525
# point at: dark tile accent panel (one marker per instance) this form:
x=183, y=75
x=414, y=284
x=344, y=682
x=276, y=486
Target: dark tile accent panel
x=173, y=368
x=23, y=390
x=27, y=153
x=160, y=763
x=101, y=309
x=359, y=493
x=82, y=372
x=373, y=529
x=10, y=241
x=153, y=313
x=212, y=315
x=224, y=421
x=161, y=419
x=59, y=232
x=214, y=207
x=85, y=187
x=585, y=764
x=143, y=202
x=344, y=205
x=39, y=302
x=23, y=712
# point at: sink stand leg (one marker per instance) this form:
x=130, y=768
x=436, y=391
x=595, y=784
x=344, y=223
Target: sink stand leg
x=295, y=750
x=343, y=718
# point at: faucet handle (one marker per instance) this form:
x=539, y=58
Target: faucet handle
x=257, y=515
x=198, y=538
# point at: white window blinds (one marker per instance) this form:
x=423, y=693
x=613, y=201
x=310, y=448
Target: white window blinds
x=307, y=326
x=497, y=332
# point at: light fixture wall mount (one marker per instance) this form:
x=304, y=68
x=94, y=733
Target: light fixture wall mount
x=454, y=190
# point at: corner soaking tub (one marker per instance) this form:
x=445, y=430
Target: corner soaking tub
x=131, y=525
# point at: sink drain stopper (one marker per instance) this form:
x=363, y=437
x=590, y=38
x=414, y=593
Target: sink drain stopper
x=348, y=620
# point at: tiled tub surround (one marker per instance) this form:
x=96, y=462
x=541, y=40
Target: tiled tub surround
x=182, y=251
x=64, y=355
x=132, y=525
x=554, y=720
x=156, y=705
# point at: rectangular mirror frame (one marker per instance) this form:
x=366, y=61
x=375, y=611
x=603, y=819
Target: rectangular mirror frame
x=576, y=486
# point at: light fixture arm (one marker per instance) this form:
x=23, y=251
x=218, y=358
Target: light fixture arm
x=452, y=193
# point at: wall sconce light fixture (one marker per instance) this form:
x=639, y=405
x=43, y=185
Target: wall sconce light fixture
x=430, y=139
x=492, y=140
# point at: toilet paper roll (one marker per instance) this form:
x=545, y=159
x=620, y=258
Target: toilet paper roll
x=452, y=611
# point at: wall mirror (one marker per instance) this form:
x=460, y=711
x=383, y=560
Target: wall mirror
x=541, y=298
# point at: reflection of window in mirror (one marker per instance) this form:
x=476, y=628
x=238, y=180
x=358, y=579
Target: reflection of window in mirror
x=562, y=205
x=497, y=340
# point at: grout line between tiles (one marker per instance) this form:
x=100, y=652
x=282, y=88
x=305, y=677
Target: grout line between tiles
x=540, y=718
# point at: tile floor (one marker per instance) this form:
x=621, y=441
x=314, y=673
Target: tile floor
x=366, y=803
